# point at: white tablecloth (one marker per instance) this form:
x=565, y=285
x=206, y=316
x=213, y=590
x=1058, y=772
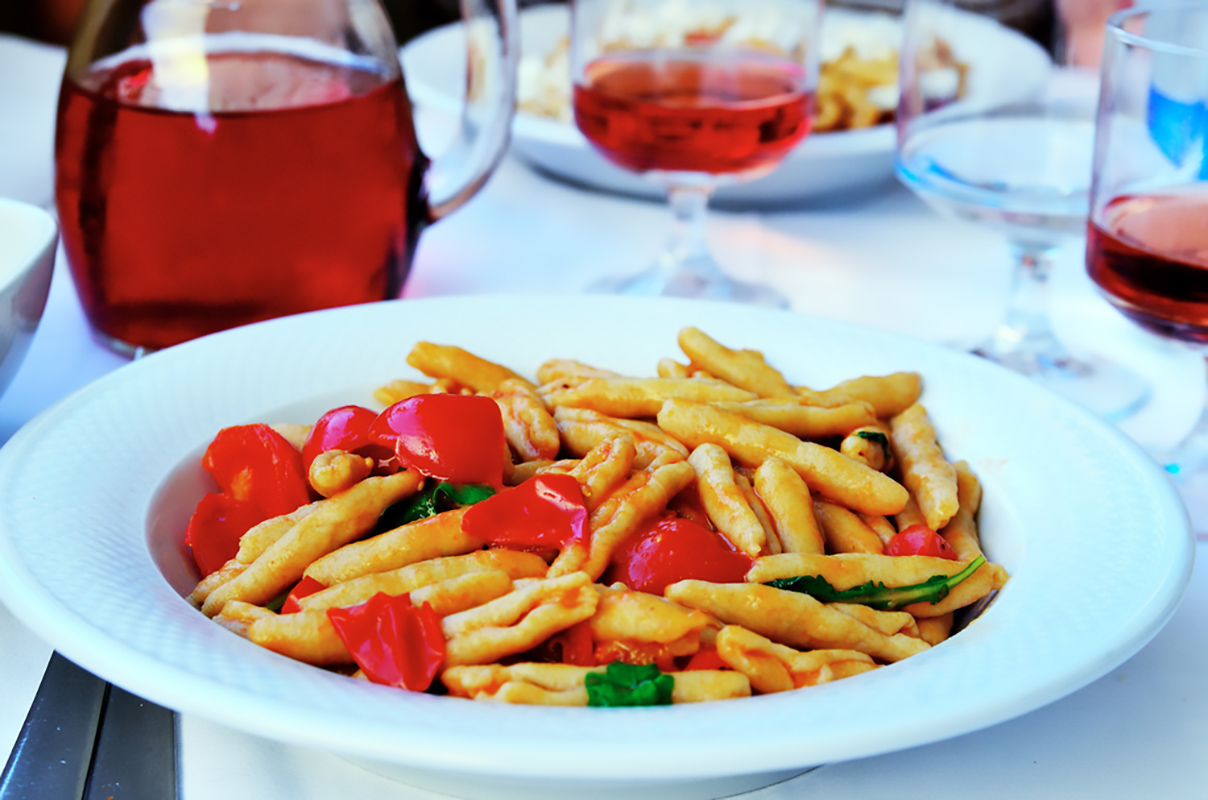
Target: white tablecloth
x=884, y=260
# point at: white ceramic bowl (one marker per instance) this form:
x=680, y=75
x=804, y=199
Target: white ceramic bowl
x=28, y=237
x=1090, y=529
x=1003, y=65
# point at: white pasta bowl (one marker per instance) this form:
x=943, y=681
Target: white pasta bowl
x=1092, y=533
x=28, y=237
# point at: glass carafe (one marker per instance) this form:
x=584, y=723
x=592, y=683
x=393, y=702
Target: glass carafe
x=221, y=162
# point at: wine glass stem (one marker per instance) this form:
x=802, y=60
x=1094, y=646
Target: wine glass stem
x=1026, y=326
x=686, y=251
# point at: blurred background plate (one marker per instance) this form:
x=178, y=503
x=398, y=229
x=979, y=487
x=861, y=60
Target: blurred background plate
x=1002, y=64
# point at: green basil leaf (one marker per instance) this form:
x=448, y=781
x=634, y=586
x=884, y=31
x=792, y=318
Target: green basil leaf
x=875, y=436
x=278, y=601
x=624, y=684
x=878, y=595
x=431, y=501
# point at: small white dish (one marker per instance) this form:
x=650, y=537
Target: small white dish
x=91, y=557
x=28, y=237
x=1003, y=64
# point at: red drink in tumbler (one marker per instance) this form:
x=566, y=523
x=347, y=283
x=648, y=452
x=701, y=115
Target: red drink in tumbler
x=298, y=189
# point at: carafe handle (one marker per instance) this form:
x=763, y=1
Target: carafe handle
x=492, y=51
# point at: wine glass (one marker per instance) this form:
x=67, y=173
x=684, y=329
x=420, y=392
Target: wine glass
x=1147, y=242
x=694, y=95
x=992, y=131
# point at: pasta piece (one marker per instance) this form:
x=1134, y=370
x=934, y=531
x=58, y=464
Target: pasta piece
x=209, y=583
x=804, y=421
x=845, y=532
x=306, y=636
x=432, y=537
x=627, y=615
x=398, y=390
x=826, y=471
x=724, y=500
x=788, y=502
x=746, y=369
x=639, y=397
x=454, y=595
x=518, y=621
x=527, y=425
x=454, y=363
x=961, y=530
x=760, y=511
x=513, y=564
x=934, y=630
x=792, y=619
x=887, y=394
x=879, y=525
x=925, y=472
x=887, y=622
x=583, y=429
x=336, y=471
x=772, y=667
x=603, y=469
x=558, y=369
x=259, y=537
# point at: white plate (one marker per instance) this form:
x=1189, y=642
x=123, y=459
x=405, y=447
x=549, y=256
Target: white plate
x=95, y=493
x=1003, y=65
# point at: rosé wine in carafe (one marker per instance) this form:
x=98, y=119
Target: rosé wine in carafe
x=225, y=163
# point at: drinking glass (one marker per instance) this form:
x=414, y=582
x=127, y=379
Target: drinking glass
x=220, y=162
x=992, y=131
x=694, y=95
x=1147, y=242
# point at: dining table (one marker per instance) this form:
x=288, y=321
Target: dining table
x=880, y=258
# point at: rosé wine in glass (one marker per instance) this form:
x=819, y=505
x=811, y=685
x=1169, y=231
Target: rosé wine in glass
x=694, y=96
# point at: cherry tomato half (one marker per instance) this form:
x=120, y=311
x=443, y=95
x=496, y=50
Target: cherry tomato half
x=544, y=511
x=393, y=641
x=450, y=437
x=345, y=428
x=254, y=463
x=215, y=527
x=670, y=549
x=919, y=540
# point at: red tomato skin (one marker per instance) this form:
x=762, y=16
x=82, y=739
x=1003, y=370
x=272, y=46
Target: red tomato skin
x=345, y=428
x=670, y=549
x=546, y=511
x=255, y=464
x=919, y=540
x=215, y=528
x=304, y=588
x=706, y=658
x=450, y=437
x=575, y=645
x=393, y=641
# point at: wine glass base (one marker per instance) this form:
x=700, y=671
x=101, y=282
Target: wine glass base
x=1107, y=389
x=694, y=287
